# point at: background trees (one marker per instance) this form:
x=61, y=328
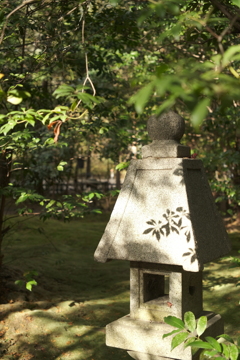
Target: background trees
x=68, y=70
x=197, y=73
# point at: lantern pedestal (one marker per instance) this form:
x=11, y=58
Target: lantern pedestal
x=143, y=339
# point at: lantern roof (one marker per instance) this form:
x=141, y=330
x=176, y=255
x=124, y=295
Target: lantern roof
x=165, y=212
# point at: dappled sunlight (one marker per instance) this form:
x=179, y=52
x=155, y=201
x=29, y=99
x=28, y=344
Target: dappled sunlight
x=65, y=315
x=74, y=330
x=221, y=294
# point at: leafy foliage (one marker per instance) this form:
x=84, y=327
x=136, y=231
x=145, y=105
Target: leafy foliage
x=70, y=68
x=29, y=280
x=190, y=331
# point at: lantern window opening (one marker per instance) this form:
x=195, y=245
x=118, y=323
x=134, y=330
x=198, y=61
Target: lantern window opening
x=155, y=288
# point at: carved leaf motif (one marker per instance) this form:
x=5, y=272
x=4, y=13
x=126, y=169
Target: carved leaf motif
x=174, y=223
x=188, y=235
x=151, y=222
x=174, y=229
x=157, y=233
x=192, y=253
x=147, y=231
x=179, y=224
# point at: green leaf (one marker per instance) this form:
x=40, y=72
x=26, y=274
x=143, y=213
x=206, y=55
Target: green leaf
x=189, y=341
x=60, y=166
x=2, y=94
x=7, y=127
x=122, y=166
x=176, y=30
x=210, y=353
x=162, y=68
x=175, y=322
x=233, y=352
x=30, y=284
x=91, y=196
x=213, y=342
x=171, y=333
x=46, y=117
x=23, y=197
x=225, y=350
x=20, y=283
x=141, y=98
x=190, y=321
x=228, y=54
x=226, y=337
x=50, y=204
x=178, y=339
x=14, y=100
x=166, y=105
x=30, y=121
x=63, y=91
x=200, y=112
x=102, y=130
x=89, y=99
x=74, y=104
x=201, y=325
x=236, y=2
x=201, y=344
x=99, y=195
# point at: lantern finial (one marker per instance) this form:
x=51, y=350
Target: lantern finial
x=169, y=126
x=166, y=132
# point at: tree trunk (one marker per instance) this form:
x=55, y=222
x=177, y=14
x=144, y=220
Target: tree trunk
x=5, y=163
x=236, y=171
x=118, y=180
x=88, y=171
x=76, y=177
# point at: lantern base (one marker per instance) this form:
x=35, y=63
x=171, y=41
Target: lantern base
x=141, y=356
x=143, y=340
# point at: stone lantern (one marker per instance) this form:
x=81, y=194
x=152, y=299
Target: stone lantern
x=166, y=224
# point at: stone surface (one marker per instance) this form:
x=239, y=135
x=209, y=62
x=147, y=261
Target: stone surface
x=169, y=126
x=165, y=213
x=166, y=224
x=146, y=337
x=141, y=356
x=165, y=149
x=150, y=300
x=166, y=131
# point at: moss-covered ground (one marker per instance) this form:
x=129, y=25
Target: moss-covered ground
x=64, y=316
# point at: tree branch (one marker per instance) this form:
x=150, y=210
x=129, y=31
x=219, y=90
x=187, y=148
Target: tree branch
x=228, y=28
x=24, y=3
x=87, y=78
x=229, y=15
